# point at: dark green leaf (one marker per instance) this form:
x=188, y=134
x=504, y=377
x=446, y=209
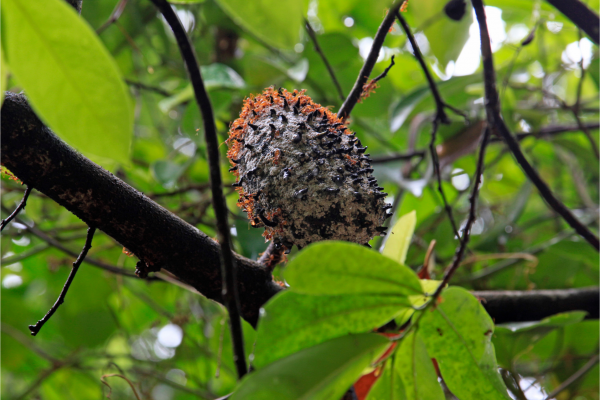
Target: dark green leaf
x=323, y=372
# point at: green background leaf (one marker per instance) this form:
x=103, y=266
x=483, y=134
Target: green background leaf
x=278, y=23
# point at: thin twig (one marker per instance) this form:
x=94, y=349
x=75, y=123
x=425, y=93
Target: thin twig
x=271, y=257
x=313, y=37
x=399, y=157
x=149, y=88
x=577, y=106
x=365, y=72
x=440, y=117
x=436, y=166
x=55, y=243
x=385, y=71
x=61, y=298
x=460, y=251
x=495, y=121
x=439, y=103
x=582, y=371
x=228, y=270
x=550, y=130
x=21, y=206
x=114, y=16
x=103, y=380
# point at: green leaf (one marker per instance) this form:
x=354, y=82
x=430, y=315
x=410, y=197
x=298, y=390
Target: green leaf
x=414, y=366
x=402, y=110
x=389, y=385
x=277, y=22
x=291, y=321
x=437, y=25
x=512, y=340
x=458, y=335
x=71, y=80
x=398, y=239
x=324, y=372
x=452, y=91
x=214, y=76
x=333, y=268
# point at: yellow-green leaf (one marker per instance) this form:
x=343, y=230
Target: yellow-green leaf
x=71, y=80
x=398, y=239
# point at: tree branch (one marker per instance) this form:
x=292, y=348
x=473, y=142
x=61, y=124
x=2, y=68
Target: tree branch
x=228, y=268
x=61, y=298
x=21, y=206
x=496, y=123
x=519, y=306
x=365, y=72
x=313, y=37
x=580, y=15
x=156, y=236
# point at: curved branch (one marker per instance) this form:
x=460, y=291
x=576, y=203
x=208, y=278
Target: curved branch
x=367, y=68
x=228, y=269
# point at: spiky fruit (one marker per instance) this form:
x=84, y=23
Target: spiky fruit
x=302, y=174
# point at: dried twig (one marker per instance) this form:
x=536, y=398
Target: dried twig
x=21, y=206
x=363, y=75
x=61, y=298
x=228, y=269
x=313, y=37
x=580, y=372
x=458, y=255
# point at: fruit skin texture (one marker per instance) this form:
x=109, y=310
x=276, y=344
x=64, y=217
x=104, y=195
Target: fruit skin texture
x=301, y=173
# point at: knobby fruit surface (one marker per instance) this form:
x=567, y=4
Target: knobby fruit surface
x=302, y=174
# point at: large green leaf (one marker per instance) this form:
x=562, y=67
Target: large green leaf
x=324, y=372
x=277, y=22
x=458, y=334
x=70, y=78
x=333, y=268
x=398, y=239
x=415, y=368
x=292, y=321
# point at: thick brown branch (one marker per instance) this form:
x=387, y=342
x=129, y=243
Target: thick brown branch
x=159, y=238
x=517, y=306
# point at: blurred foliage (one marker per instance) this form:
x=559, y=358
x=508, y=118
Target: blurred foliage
x=172, y=343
